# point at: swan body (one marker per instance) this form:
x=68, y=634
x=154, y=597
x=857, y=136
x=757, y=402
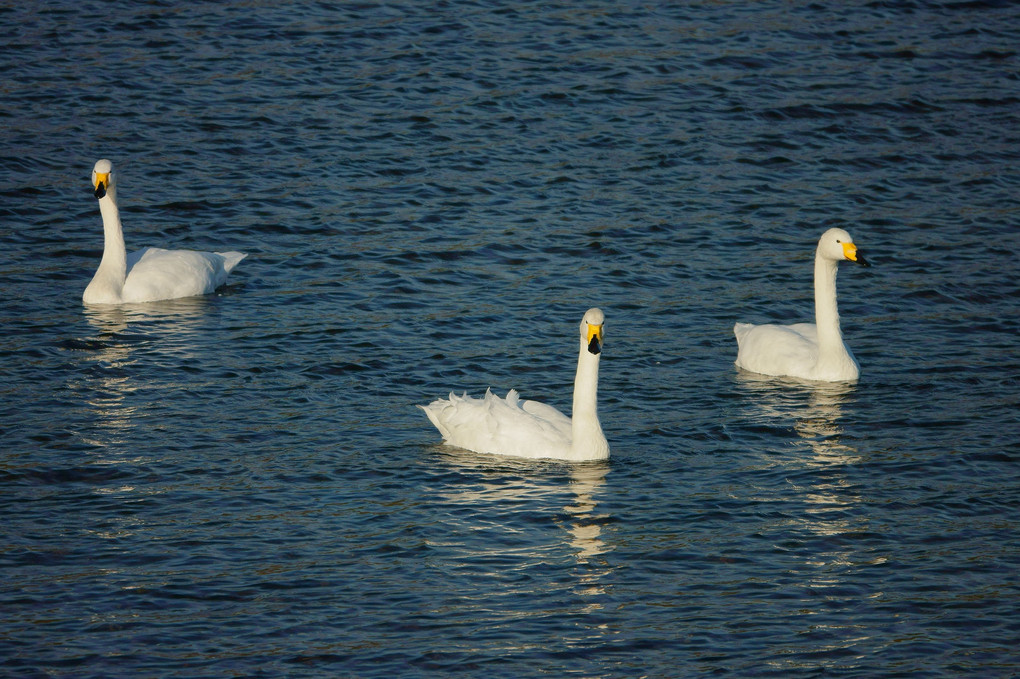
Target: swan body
x=150, y=274
x=509, y=426
x=810, y=351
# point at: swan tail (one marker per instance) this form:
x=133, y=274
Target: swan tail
x=442, y=412
x=432, y=411
x=740, y=330
x=231, y=259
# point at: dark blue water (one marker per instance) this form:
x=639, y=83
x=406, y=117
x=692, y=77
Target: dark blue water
x=431, y=196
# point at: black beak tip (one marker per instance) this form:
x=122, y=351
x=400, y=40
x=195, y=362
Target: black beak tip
x=863, y=262
x=100, y=191
x=595, y=346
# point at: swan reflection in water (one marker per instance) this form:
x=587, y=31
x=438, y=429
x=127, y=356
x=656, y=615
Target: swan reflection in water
x=500, y=507
x=585, y=525
x=816, y=409
x=824, y=527
x=124, y=364
x=831, y=497
x=173, y=323
x=585, y=528
x=125, y=340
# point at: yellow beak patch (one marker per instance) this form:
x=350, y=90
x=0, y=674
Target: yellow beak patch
x=850, y=251
x=102, y=178
x=594, y=331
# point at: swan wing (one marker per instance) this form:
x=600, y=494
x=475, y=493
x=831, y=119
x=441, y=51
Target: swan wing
x=155, y=274
x=777, y=349
x=548, y=414
x=500, y=426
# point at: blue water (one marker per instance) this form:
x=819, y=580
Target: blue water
x=431, y=196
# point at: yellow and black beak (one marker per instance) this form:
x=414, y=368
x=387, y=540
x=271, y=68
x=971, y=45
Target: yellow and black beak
x=594, y=339
x=851, y=253
x=102, y=181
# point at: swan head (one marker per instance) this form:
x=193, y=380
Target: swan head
x=103, y=178
x=837, y=245
x=591, y=330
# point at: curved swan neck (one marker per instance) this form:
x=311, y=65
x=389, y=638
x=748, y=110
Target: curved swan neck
x=107, y=285
x=114, y=260
x=586, y=383
x=588, y=439
x=826, y=313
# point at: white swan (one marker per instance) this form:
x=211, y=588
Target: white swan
x=811, y=351
x=532, y=429
x=151, y=274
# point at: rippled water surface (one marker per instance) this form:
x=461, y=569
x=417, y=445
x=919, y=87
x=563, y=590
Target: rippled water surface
x=431, y=196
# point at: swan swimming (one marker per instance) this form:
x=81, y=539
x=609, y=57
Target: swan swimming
x=151, y=274
x=811, y=351
x=532, y=429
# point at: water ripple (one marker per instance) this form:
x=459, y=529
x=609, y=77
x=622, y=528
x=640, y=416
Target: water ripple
x=431, y=196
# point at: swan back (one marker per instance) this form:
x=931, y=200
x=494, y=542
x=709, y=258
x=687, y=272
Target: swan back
x=156, y=274
x=501, y=426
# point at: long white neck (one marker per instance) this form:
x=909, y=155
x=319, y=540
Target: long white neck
x=589, y=443
x=109, y=279
x=830, y=338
